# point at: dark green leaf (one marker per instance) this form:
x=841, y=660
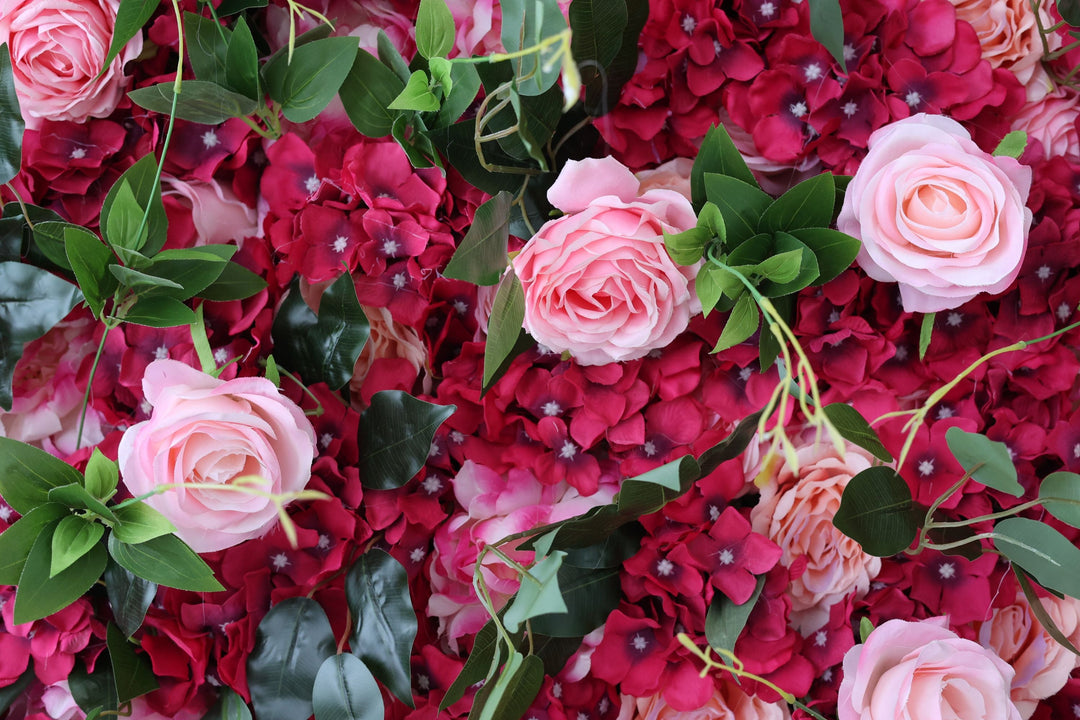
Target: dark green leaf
x=291, y=644
x=90, y=259
x=827, y=27
x=730, y=447
x=95, y=692
x=807, y=205
x=32, y=301
x=768, y=344
x=102, y=476
x=687, y=247
x=987, y=461
x=416, y=95
x=537, y=118
x=17, y=540
x=434, y=29
x=142, y=179
x=742, y=205
x=44, y=245
x=139, y=522
x=481, y=256
x=539, y=593
x=1039, y=549
x=167, y=561
x=131, y=672
x=741, y=323
x=1070, y=11
x=27, y=475
x=160, y=312
x=1059, y=493
x=9, y=693
x=230, y=706
x=395, y=437
x=367, y=92
x=139, y=280
x=555, y=652
x=195, y=269
x=242, y=62
x=199, y=101
x=603, y=85
x=411, y=136
x=597, y=27
x=231, y=7
x=305, y=86
x=718, y=155
x=346, y=690
x=319, y=32
x=876, y=511
x=130, y=18
x=40, y=595
x=377, y=590
x=11, y=122
x=504, y=325
x=761, y=248
x=129, y=596
x=854, y=428
x=1040, y=613
x=476, y=667
x=970, y=548
x=511, y=694
x=926, y=331
x=207, y=44
x=72, y=538
x=235, y=282
x=1012, y=145
x=323, y=347
x=589, y=595
x=525, y=23
x=125, y=227
x=466, y=83
x=834, y=250
x=391, y=57
x=726, y=619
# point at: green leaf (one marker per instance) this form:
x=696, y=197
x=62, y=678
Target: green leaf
x=725, y=619
x=410, y=134
x=18, y=539
x=466, y=83
x=1040, y=613
x=129, y=597
x=231, y=7
x=434, y=29
x=709, y=286
x=477, y=667
x=589, y=594
x=90, y=259
x=142, y=179
x=9, y=693
x=44, y=245
x=416, y=95
x=1070, y=11
x=366, y=94
x=94, y=693
x=167, y=561
x=193, y=269
x=377, y=591
x=504, y=325
x=395, y=437
x=130, y=18
x=730, y=447
x=1039, y=549
x=782, y=267
x=1059, y=493
x=242, y=62
x=442, y=71
x=539, y=593
x=391, y=57
x=207, y=44
x=199, y=101
x=807, y=205
x=926, y=331
x=28, y=475
x=291, y=643
x=865, y=628
x=827, y=27
x=877, y=512
x=650, y=491
x=11, y=122
x=537, y=118
x=40, y=594
x=125, y=219
x=235, y=282
x=230, y=706
x=72, y=538
x=741, y=323
x=1012, y=145
x=718, y=155
x=603, y=86
x=323, y=347
x=139, y=522
x=987, y=461
x=854, y=428
x=131, y=672
x=741, y=204
x=159, y=312
x=481, y=256
x=138, y=280
x=32, y=302
x=511, y=694
x=305, y=86
x=346, y=690
x=687, y=247
x=834, y=250
x=597, y=27
x=102, y=476
x=526, y=23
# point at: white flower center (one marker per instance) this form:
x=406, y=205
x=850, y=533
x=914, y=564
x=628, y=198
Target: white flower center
x=798, y=109
x=1076, y=450
x=1043, y=273
x=423, y=682
x=745, y=374
x=210, y=139
x=1064, y=312
x=913, y=98
x=827, y=675
x=432, y=484
x=726, y=557
x=161, y=353
x=78, y=153
x=812, y=72
x=944, y=412
x=568, y=450
x=954, y=319
x=820, y=638
x=340, y=243
x=434, y=450
x=551, y=408
x=714, y=513
x=280, y=561
x=649, y=448
x=312, y=183
x=849, y=52
x=221, y=355
x=5, y=513
x=665, y=567
x=325, y=439
x=324, y=542
x=460, y=307
x=767, y=9
x=947, y=571
x=399, y=281
x=640, y=643
x=901, y=353
x=926, y=467
x=457, y=437
x=417, y=554
x=850, y=108
x=688, y=24
x=390, y=247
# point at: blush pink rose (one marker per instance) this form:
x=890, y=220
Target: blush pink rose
x=1042, y=665
x=206, y=430
x=1008, y=33
x=598, y=281
x=672, y=175
x=907, y=670
x=728, y=703
x=57, y=48
x=207, y=212
x=936, y=214
x=1052, y=122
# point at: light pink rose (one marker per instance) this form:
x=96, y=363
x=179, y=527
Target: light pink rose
x=1008, y=33
x=1042, y=665
x=1052, y=121
x=796, y=512
x=57, y=48
x=217, y=215
x=922, y=670
x=936, y=214
x=206, y=430
x=59, y=703
x=598, y=281
x=479, y=26
x=729, y=703
x=393, y=356
x=672, y=175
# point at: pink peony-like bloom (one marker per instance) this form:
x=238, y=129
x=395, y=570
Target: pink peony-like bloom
x=936, y=214
x=923, y=670
x=206, y=430
x=599, y=282
x=728, y=703
x=1042, y=665
x=1052, y=122
x=57, y=48
x=796, y=512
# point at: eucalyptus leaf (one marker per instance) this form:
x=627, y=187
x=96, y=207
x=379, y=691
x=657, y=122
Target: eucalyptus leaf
x=94, y=693
x=167, y=561
x=730, y=447
x=43, y=246
x=391, y=57
x=1059, y=493
x=987, y=461
x=231, y=7
x=725, y=619
x=597, y=27
x=481, y=256
x=72, y=538
x=129, y=596
x=648, y=492
x=854, y=428
x=131, y=672
x=366, y=94
x=538, y=594
x=11, y=122
x=1042, y=551
x=18, y=539
x=395, y=435
x=346, y=690
x=307, y=84
x=230, y=706
x=199, y=101
x=504, y=325
x=28, y=475
x=40, y=594
x=1070, y=11
x=589, y=594
x=877, y=511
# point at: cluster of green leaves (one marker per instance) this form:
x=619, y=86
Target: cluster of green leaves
x=779, y=246
x=877, y=510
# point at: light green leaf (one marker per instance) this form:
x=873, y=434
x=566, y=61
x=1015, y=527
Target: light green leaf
x=512, y=692
x=207, y=45
x=102, y=476
x=72, y=538
x=481, y=256
x=782, y=267
x=740, y=325
x=854, y=428
x=139, y=522
x=987, y=461
x=235, y=282
x=395, y=434
x=1012, y=145
x=865, y=628
x=687, y=247
x=305, y=86
x=416, y=95
x=125, y=218
x=434, y=29
x=539, y=593
x=167, y=561
x=926, y=331
x=526, y=23
x=709, y=286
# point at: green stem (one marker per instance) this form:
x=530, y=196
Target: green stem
x=22, y=205
x=90, y=382
x=958, y=543
x=986, y=518
x=319, y=410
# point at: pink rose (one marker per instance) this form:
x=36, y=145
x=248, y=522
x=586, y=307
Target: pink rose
x=923, y=670
x=936, y=214
x=57, y=48
x=206, y=430
x=598, y=281
x=728, y=703
x=796, y=512
x=672, y=175
x=206, y=213
x=1008, y=33
x=1052, y=122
